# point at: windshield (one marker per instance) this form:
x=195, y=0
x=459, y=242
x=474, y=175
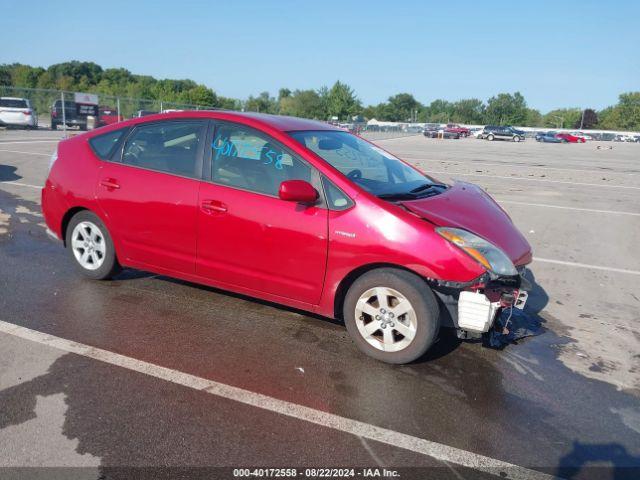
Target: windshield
x=370, y=167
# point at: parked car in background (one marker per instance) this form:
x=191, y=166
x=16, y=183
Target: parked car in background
x=476, y=132
x=74, y=114
x=108, y=116
x=455, y=128
x=581, y=135
x=291, y=211
x=569, y=138
x=17, y=112
x=439, y=132
x=144, y=113
x=548, y=137
x=493, y=132
x=624, y=138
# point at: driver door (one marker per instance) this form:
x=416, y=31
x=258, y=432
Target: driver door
x=247, y=236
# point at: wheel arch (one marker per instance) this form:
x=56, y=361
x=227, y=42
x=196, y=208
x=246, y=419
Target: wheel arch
x=66, y=218
x=353, y=275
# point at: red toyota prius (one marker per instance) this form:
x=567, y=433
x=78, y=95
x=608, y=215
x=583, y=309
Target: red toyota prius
x=293, y=211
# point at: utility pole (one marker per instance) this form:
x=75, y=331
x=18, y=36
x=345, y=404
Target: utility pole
x=64, y=115
x=582, y=120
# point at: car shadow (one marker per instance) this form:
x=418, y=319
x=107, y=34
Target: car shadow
x=8, y=173
x=607, y=460
x=530, y=324
x=126, y=274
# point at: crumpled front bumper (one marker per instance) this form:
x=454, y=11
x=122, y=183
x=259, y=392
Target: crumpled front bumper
x=473, y=308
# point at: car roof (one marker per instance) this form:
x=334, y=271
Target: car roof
x=12, y=98
x=277, y=122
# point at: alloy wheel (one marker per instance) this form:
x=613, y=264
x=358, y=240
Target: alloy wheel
x=386, y=319
x=88, y=245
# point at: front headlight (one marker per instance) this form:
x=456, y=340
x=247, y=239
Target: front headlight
x=485, y=253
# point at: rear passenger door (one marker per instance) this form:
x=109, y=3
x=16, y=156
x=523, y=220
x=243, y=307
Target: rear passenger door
x=149, y=193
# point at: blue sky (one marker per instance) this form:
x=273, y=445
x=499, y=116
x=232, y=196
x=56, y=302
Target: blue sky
x=558, y=54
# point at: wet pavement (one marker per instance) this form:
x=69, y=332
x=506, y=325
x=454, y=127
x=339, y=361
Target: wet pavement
x=525, y=405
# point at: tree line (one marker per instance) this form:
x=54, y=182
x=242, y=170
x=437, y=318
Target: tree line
x=338, y=101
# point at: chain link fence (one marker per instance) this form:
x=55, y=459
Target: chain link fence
x=57, y=108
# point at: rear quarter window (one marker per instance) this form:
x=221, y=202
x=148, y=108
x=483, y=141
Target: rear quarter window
x=104, y=145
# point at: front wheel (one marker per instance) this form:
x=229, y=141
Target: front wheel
x=392, y=315
x=516, y=138
x=91, y=247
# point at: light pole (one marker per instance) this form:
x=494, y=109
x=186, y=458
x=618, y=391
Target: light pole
x=561, y=121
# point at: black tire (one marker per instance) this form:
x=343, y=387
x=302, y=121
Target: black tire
x=517, y=138
x=110, y=265
x=490, y=137
x=422, y=299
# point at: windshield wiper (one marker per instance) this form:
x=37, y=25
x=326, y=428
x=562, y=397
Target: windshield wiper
x=427, y=186
x=398, y=196
x=416, y=193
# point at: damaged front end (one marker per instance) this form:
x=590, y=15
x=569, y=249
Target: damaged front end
x=473, y=307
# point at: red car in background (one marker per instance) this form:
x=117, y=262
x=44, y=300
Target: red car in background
x=567, y=137
x=455, y=128
x=108, y=116
x=292, y=211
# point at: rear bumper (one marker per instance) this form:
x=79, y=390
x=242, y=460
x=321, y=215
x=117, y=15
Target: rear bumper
x=69, y=121
x=25, y=121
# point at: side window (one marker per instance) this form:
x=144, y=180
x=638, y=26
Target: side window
x=245, y=158
x=170, y=147
x=336, y=198
x=104, y=145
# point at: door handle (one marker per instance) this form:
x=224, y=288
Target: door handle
x=110, y=183
x=211, y=206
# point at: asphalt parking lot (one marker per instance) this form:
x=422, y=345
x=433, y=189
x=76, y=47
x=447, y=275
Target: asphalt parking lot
x=149, y=371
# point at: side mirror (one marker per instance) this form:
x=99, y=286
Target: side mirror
x=297, y=191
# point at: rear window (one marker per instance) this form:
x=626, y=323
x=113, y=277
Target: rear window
x=13, y=103
x=104, y=145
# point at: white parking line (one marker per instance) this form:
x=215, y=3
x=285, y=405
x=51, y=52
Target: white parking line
x=454, y=174
x=435, y=450
x=50, y=140
x=483, y=163
x=586, y=265
x=22, y=184
x=561, y=207
x=27, y=153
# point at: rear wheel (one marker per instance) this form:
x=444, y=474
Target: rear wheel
x=490, y=137
x=392, y=315
x=91, y=247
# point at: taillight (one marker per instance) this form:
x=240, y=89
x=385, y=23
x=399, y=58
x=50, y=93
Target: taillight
x=54, y=157
x=27, y=112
